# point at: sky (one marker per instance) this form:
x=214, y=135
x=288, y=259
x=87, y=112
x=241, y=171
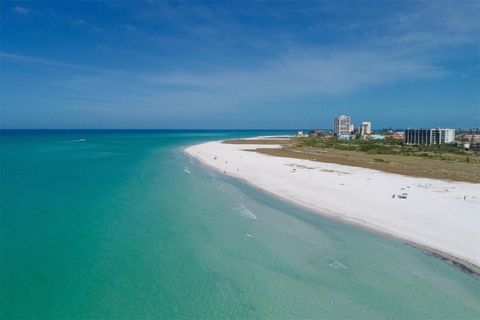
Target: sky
x=234, y=64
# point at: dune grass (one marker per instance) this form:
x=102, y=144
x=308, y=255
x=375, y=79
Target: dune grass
x=443, y=162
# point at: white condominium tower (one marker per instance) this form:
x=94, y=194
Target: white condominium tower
x=342, y=125
x=365, y=128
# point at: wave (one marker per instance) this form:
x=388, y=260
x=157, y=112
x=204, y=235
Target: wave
x=337, y=265
x=212, y=176
x=245, y=212
x=76, y=140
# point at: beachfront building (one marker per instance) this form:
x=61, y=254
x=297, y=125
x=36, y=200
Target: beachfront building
x=473, y=140
x=342, y=125
x=320, y=133
x=397, y=135
x=365, y=129
x=429, y=136
x=345, y=137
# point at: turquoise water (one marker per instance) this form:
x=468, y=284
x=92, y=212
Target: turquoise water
x=118, y=224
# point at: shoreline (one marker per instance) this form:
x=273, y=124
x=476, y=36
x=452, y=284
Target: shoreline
x=250, y=167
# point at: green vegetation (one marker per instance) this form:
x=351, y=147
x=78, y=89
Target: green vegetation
x=389, y=155
x=389, y=146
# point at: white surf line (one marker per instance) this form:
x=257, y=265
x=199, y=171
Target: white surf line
x=437, y=215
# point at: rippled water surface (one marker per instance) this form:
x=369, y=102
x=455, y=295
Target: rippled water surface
x=123, y=224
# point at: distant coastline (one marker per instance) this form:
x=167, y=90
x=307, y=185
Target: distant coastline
x=438, y=216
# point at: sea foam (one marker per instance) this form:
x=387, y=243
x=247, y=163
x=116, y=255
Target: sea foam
x=245, y=212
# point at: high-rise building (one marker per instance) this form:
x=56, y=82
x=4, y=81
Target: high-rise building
x=365, y=128
x=429, y=136
x=342, y=125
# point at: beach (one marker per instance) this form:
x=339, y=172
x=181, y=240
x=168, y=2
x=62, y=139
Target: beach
x=442, y=217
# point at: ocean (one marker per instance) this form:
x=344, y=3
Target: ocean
x=122, y=224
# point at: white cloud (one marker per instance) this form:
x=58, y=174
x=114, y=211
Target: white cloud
x=400, y=51
x=317, y=73
x=21, y=10
x=47, y=62
x=292, y=77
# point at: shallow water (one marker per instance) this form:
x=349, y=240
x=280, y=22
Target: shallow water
x=112, y=224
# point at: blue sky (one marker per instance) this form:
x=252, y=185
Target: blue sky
x=239, y=64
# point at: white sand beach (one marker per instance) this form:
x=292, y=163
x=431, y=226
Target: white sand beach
x=441, y=216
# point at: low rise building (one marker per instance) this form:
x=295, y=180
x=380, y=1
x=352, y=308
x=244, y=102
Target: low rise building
x=472, y=137
x=344, y=137
x=320, y=133
x=473, y=140
x=429, y=136
x=399, y=135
